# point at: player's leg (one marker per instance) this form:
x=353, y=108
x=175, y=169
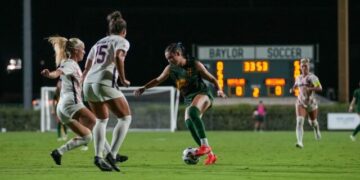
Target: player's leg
x=102, y=116
x=300, y=117
x=191, y=126
x=314, y=123
x=58, y=130
x=86, y=118
x=93, y=95
x=356, y=130
x=99, y=131
x=256, y=126
x=120, y=107
x=198, y=106
x=84, y=137
x=119, y=158
x=64, y=128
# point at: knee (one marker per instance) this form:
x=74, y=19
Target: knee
x=300, y=121
x=193, y=112
x=313, y=122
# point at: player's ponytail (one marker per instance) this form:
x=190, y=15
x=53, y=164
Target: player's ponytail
x=63, y=47
x=116, y=15
x=116, y=23
x=59, y=44
x=177, y=47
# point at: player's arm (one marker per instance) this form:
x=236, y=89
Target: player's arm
x=351, y=107
x=293, y=87
x=120, y=66
x=206, y=75
x=316, y=86
x=154, y=82
x=51, y=75
x=88, y=65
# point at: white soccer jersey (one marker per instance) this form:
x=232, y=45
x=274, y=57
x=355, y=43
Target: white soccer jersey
x=70, y=81
x=311, y=80
x=102, y=54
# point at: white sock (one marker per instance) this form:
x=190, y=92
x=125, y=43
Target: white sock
x=99, y=132
x=107, y=148
x=204, y=141
x=119, y=134
x=315, y=125
x=299, y=129
x=74, y=143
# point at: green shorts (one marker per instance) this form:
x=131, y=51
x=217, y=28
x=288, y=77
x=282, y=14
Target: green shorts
x=189, y=98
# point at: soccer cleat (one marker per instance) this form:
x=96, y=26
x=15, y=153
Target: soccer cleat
x=112, y=162
x=202, y=150
x=299, y=145
x=56, y=156
x=121, y=158
x=211, y=159
x=352, y=138
x=102, y=164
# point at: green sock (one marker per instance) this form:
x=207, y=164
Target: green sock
x=357, y=129
x=59, y=130
x=190, y=125
x=194, y=114
x=65, y=129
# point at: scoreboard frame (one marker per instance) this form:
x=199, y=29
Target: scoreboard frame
x=255, y=70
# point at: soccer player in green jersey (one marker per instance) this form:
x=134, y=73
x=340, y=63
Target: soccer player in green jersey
x=355, y=100
x=187, y=74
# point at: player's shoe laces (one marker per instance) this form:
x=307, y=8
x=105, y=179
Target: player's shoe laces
x=299, y=145
x=211, y=159
x=56, y=156
x=352, y=138
x=121, y=158
x=202, y=150
x=112, y=162
x=102, y=164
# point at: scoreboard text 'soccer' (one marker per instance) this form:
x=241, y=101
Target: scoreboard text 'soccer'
x=255, y=71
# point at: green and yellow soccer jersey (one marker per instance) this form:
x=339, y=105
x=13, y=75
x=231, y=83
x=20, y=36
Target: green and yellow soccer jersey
x=357, y=99
x=188, y=80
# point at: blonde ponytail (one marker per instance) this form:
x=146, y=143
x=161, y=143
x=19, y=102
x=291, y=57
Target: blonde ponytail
x=59, y=44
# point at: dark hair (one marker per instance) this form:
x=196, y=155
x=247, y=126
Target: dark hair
x=116, y=23
x=173, y=47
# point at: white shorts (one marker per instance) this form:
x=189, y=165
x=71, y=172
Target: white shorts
x=309, y=107
x=95, y=92
x=66, y=109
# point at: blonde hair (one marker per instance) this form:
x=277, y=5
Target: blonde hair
x=305, y=61
x=64, y=47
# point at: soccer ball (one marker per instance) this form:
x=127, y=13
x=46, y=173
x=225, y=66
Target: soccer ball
x=189, y=156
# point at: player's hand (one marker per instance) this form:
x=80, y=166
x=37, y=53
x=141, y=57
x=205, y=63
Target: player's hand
x=45, y=73
x=125, y=82
x=291, y=90
x=139, y=91
x=220, y=93
x=351, y=109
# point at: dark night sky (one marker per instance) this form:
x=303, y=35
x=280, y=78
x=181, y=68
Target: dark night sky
x=152, y=25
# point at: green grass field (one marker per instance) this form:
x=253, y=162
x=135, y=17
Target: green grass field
x=157, y=155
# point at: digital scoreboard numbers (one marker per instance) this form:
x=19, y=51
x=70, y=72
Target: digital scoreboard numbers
x=255, y=71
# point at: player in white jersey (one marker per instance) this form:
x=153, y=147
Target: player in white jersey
x=70, y=110
x=306, y=104
x=104, y=72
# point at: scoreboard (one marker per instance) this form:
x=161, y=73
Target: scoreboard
x=255, y=71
